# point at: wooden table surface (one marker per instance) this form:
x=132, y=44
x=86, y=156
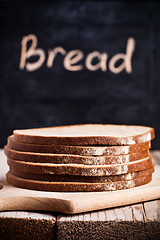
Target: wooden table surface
x=133, y=222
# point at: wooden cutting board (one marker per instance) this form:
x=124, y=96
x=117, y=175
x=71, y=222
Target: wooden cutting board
x=12, y=198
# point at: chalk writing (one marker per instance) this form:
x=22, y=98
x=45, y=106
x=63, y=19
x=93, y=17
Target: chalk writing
x=72, y=58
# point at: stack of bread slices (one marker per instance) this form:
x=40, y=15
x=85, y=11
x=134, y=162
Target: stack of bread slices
x=89, y=157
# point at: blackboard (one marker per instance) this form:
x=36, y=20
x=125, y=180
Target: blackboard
x=55, y=95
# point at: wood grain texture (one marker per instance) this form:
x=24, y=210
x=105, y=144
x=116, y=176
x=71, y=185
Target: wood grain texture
x=27, y=226
x=152, y=219
x=138, y=221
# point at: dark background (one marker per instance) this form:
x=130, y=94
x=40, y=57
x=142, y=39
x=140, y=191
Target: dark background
x=56, y=96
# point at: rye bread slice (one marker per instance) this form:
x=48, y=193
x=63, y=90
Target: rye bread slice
x=90, y=179
x=77, y=150
x=80, y=169
x=76, y=159
x=75, y=187
x=87, y=134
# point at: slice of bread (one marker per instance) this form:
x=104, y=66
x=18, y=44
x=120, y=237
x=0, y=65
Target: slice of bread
x=76, y=159
x=80, y=169
x=75, y=187
x=77, y=150
x=87, y=134
x=90, y=179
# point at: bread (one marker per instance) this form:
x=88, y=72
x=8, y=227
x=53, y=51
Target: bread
x=89, y=157
x=77, y=150
x=80, y=169
x=76, y=159
x=87, y=134
x=75, y=187
x=87, y=179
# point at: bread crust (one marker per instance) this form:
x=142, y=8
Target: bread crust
x=80, y=169
x=75, y=187
x=76, y=159
x=90, y=179
x=22, y=136
x=77, y=150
